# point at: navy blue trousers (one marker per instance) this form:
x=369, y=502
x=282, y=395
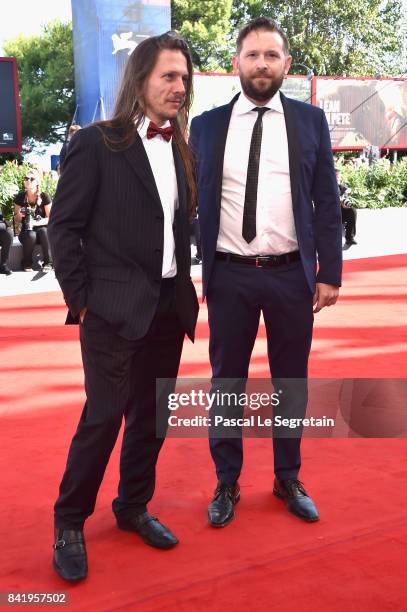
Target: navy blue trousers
x=237, y=294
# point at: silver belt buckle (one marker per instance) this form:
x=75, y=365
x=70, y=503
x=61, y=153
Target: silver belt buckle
x=259, y=259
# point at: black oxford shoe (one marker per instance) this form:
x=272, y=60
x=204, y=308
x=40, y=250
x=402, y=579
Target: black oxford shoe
x=297, y=499
x=70, y=560
x=4, y=269
x=221, y=509
x=150, y=529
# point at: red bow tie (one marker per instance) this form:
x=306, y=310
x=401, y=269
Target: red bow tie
x=166, y=133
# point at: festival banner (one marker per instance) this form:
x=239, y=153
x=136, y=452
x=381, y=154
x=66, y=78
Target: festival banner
x=105, y=33
x=363, y=112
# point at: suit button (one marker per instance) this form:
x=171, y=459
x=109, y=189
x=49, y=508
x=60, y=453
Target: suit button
x=159, y=217
x=158, y=251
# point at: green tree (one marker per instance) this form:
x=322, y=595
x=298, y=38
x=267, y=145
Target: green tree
x=334, y=37
x=46, y=80
x=206, y=27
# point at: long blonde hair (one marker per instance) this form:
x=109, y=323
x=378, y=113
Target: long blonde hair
x=37, y=176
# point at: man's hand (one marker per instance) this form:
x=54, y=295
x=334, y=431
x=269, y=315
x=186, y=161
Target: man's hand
x=82, y=314
x=325, y=295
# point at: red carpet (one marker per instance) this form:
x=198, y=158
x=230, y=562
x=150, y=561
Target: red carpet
x=356, y=554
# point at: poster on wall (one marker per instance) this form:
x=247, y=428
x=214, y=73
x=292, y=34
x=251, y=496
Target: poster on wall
x=363, y=111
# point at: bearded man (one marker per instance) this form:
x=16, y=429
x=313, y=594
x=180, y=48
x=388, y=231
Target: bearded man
x=271, y=242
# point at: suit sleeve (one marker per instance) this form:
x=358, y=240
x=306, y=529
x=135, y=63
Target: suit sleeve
x=328, y=220
x=70, y=214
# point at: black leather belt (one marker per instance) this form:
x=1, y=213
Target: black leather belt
x=259, y=261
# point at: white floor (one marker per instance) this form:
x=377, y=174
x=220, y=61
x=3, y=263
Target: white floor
x=379, y=232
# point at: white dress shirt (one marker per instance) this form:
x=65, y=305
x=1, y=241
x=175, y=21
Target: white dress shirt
x=275, y=230
x=160, y=156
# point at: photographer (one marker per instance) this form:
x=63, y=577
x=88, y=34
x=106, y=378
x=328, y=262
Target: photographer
x=32, y=209
x=6, y=240
x=348, y=213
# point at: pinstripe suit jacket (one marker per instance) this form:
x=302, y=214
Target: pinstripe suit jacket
x=106, y=231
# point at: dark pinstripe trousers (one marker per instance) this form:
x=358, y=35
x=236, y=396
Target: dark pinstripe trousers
x=120, y=381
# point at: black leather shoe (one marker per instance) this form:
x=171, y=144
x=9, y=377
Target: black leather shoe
x=4, y=269
x=150, y=529
x=297, y=499
x=70, y=560
x=221, y=509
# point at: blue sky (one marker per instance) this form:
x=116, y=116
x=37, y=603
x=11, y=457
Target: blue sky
x=27, y=16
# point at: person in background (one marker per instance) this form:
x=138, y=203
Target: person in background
x=32, y=208
x=348, y=213
x=6, y=240
x=196, y=235
x=65, y=147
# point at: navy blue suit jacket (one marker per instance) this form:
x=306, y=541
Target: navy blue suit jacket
x=314, y=190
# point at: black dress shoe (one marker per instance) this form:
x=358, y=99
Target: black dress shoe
x=70, y=560
x=150, y=529
x=350, y=242
x=4, y=269
x=297, y=499
x=221, y=509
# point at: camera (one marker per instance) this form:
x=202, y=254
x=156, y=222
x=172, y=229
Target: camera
x=29, y=214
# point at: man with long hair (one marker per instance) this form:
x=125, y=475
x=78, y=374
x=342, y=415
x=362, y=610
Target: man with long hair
x=268, y=211
x=119, y=231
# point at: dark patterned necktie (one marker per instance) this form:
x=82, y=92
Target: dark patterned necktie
x=250, y=198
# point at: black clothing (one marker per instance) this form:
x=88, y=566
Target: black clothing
x=63, y=153
x=120, y=377
x=29, y=239
x=39, y=209
x=6, y=240
x=349, y=222
x=37, y=235
x=196, y=235
x=348, y=214
x=250, y=198
x=107, y=235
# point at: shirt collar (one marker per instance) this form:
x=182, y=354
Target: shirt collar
x=244, y=105
x=142, y=128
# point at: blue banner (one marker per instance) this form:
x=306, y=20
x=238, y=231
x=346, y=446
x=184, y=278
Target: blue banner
x=104, y=35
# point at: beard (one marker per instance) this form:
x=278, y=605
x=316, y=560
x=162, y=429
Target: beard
x=261, y=94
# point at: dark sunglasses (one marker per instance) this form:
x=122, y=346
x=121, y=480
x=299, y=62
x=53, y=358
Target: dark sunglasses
x=29, y=178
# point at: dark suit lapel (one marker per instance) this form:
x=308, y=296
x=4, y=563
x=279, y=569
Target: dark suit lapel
x=221, y=128
x=294, y=149
x=137, y=157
